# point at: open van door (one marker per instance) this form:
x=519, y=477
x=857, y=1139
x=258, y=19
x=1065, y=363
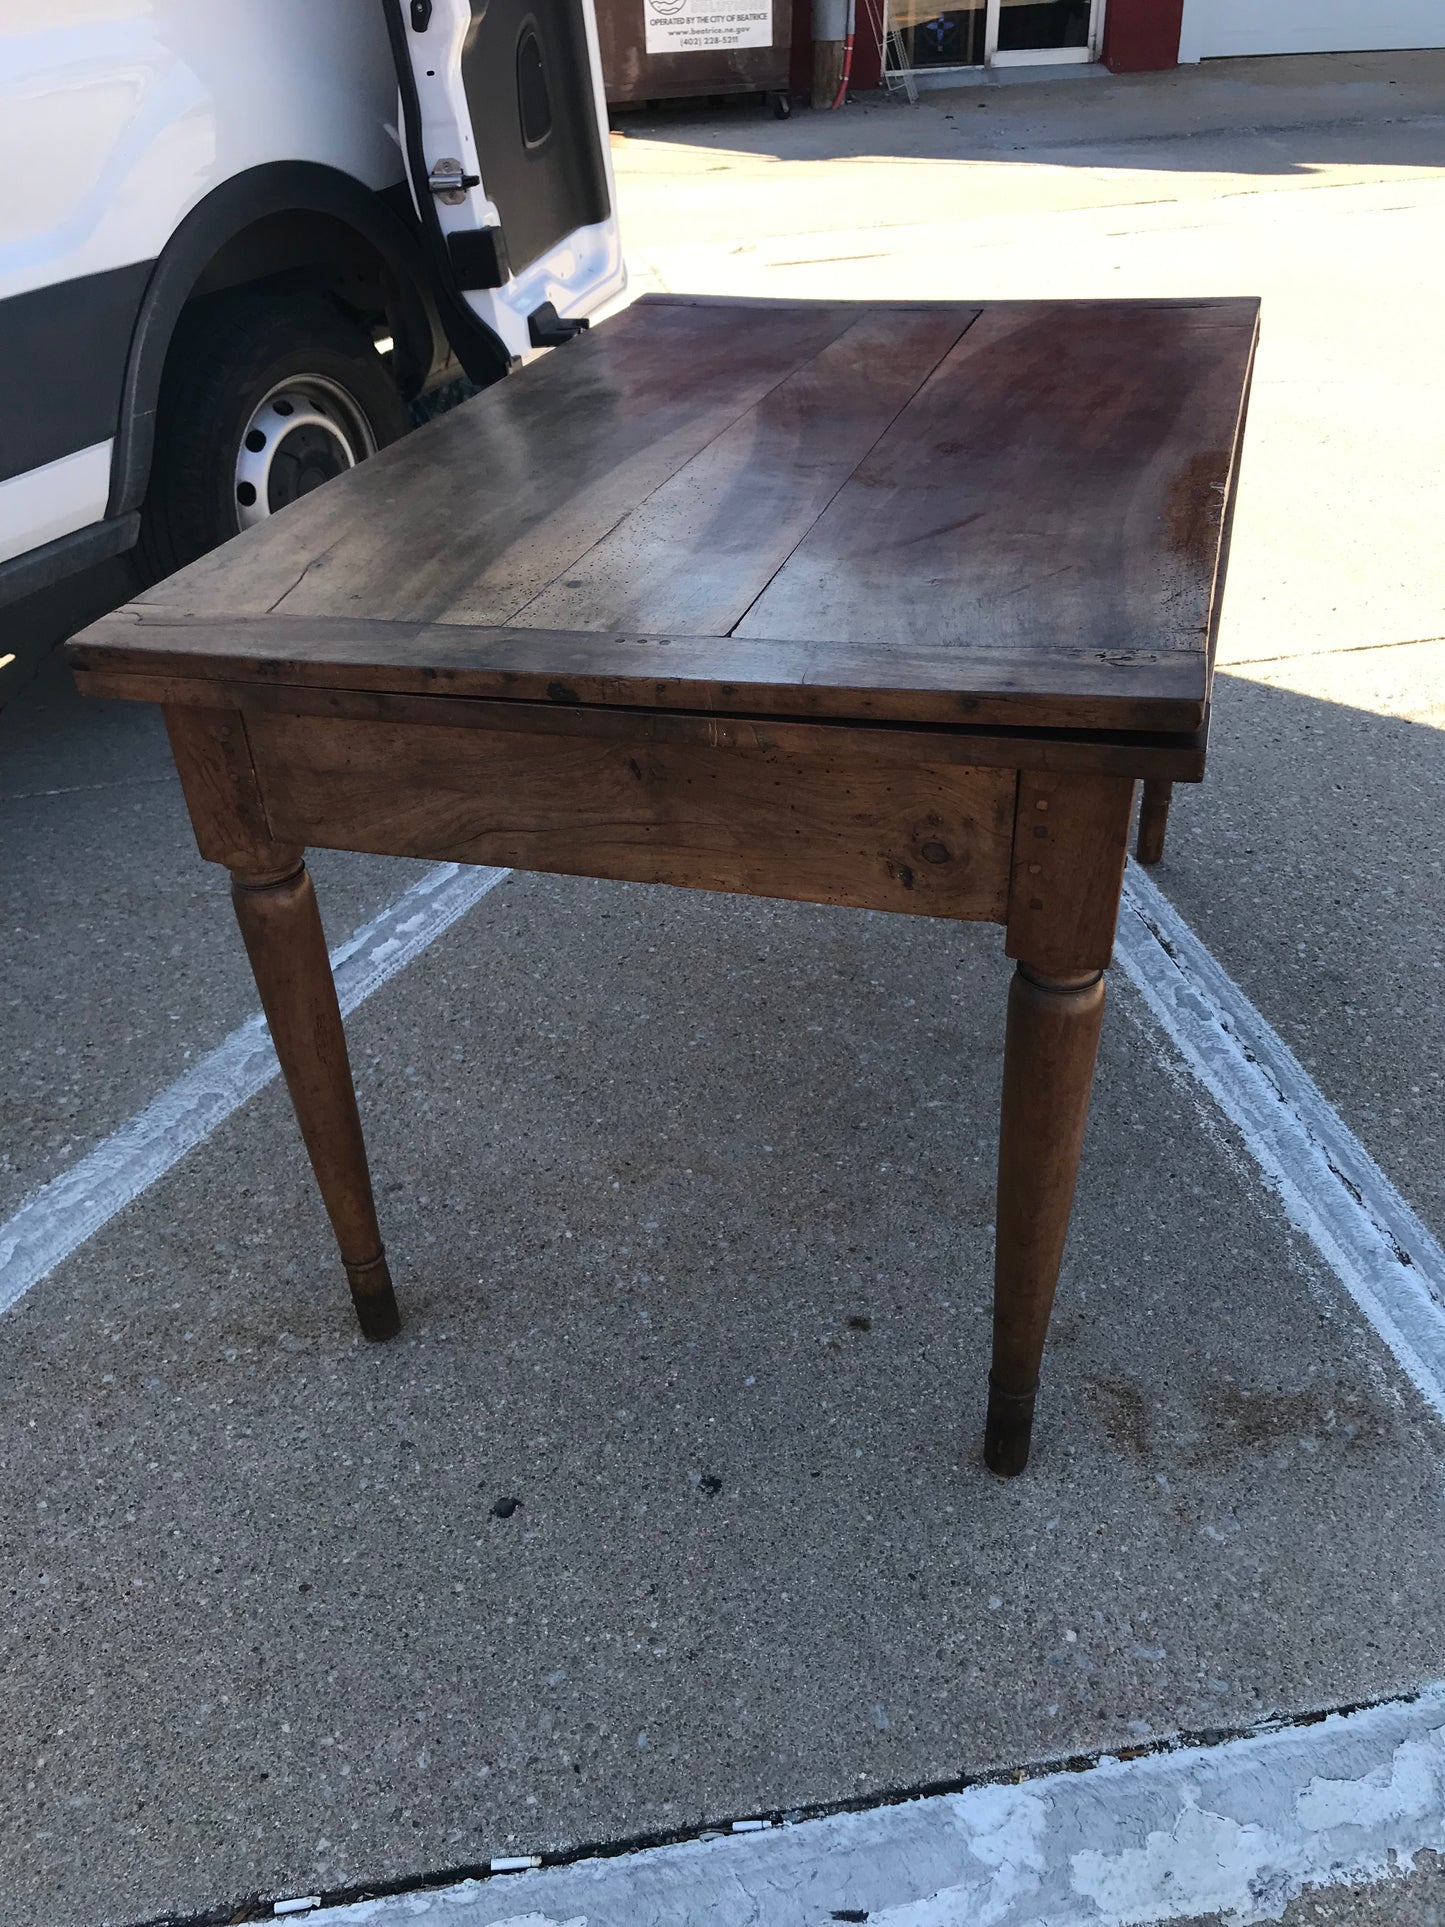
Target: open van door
x=505, y=129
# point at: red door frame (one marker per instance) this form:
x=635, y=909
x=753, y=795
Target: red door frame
x=1141, y=36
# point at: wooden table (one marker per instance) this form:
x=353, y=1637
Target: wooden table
x=887, y=605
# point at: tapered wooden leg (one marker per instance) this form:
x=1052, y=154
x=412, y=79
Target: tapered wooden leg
x=1153, y=820
x=287, y=948
x=1053, y=1035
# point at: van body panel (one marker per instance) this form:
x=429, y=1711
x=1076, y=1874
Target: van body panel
x=118, y=116
x=63, y=351
x=53, y=500
x=128, y=128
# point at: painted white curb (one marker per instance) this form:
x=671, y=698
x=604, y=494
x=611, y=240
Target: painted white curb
x=1330, y=1187
x=1238, y=1829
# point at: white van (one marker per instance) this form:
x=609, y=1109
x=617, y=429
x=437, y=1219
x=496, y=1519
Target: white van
x=240, y=240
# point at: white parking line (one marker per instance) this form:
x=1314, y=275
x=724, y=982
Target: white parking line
x=59, y=1217
x=1239, y=1828
x=1330, y=1187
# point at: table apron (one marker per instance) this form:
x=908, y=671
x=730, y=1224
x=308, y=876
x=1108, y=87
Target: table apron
x=815, y=813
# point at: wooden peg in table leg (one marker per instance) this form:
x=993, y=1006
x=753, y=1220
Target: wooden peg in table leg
x=1052, y=1038
x=1153, y=820
x=287, y=947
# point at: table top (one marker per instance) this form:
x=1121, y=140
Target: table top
x=1002, y=513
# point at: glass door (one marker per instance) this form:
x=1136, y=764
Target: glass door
x=922, y=37
x=1028, y=33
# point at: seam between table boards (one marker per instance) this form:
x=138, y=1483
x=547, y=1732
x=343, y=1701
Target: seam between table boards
x=726, y=428
x=662, y=482
x=901, y=409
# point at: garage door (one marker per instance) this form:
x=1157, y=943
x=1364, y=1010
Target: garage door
x=1214, y=27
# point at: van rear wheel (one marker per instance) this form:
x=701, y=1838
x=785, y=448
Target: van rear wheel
x=265, y=397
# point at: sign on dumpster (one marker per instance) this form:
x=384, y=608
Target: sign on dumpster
x=696, y=26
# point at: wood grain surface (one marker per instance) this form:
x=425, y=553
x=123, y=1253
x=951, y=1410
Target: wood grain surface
x=1071, y=837
x=940, y=683
x=804, y=813
x=1059, y=482
x=213, y=761
x=1050, y=1045
x=1177, y=758
x=281, y=928
x=1008, y=513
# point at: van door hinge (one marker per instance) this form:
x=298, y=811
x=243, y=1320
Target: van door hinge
x=449, y=183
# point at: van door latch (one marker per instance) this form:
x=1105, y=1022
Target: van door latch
x=449, y=183
x=548, y=329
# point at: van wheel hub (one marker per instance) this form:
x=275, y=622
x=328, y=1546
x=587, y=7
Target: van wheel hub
x=303, y=432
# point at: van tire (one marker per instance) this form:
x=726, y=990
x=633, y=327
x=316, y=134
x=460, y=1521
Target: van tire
x=233, y=357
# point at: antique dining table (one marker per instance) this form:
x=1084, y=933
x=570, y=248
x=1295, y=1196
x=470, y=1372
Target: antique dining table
x=890, y=605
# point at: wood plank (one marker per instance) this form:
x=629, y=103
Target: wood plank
x=1060, y=482
x=470, y=517
x=1079, y=688
x=1180, y=758
x=1031, y=543
x=691, y=559
x=1175, y=303
x=814, y=821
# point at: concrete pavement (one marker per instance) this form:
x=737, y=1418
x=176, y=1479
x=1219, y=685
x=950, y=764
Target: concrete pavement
x=690, y=1198
x=635, y=1191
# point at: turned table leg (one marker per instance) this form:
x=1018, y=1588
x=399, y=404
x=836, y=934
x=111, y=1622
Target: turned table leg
x=1153, y=819
x=284, y=940
x=1053, y=1034
x=1070, y=837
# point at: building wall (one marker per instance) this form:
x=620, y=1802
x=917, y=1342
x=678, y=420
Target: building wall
x=1213, y=27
